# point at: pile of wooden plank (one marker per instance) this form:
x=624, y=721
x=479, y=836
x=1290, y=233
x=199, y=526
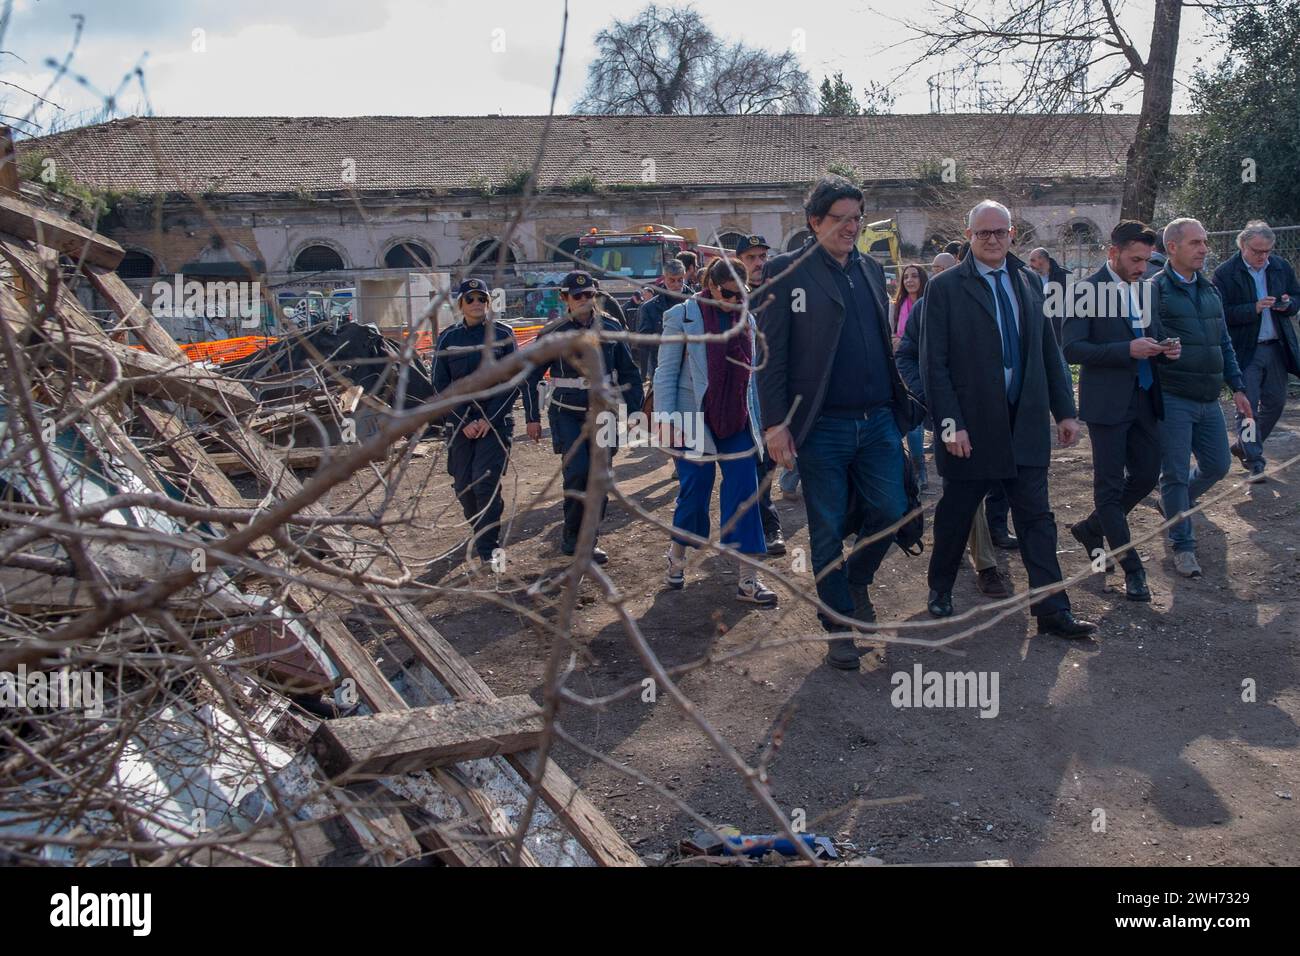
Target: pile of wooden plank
x=439, y=771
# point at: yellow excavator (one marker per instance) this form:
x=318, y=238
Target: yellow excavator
x=886, y=230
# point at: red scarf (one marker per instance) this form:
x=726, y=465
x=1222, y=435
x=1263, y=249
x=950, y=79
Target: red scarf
x=726, y=405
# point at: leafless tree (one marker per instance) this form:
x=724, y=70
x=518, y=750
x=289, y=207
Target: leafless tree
x=668, y=60
x=1070, y=56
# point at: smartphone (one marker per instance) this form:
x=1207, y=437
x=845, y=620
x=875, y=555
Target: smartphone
x=1166, y=343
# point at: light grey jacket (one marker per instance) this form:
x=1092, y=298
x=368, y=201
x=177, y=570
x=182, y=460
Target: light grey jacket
x=682, y=377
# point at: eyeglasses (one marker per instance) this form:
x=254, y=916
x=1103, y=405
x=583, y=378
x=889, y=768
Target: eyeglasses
x=582, y=295
x=472, y=297
x=841, y=220
x=984, y=235
x=731, y=295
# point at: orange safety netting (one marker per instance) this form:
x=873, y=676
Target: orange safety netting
x=226, y=350
x=222, y=351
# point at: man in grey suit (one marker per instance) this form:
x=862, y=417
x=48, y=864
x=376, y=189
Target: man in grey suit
x=993, y=374
x=1112, y=334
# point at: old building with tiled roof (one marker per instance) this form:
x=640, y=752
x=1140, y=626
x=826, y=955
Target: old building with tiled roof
x=341, y=197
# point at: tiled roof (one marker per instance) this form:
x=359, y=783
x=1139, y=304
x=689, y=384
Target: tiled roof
x=284, y=154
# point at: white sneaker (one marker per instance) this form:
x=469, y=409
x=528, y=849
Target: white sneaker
x=676, y=576
x=753, y=591
x=1185, y=564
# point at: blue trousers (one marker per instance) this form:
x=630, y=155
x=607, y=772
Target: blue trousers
x=1190, y=428
x=739, y=484
x=866, y=454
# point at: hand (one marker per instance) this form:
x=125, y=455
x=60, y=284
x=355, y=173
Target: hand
x=476, y=429
x=1067, y=431
x=780, y=445
x=1144, y=348
x=1265, y=303
x=959, y=447
x=1243, y=405
x=534, y=430
x=1284, y=302
x=1174, y=352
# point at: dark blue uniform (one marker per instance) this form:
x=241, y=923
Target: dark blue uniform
x=568, y=412
x=477, y=464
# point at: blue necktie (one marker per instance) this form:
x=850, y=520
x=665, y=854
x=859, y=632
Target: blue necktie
x=1145, y=378
x=1010, y=336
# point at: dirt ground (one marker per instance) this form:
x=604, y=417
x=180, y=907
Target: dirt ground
x=1144, y=729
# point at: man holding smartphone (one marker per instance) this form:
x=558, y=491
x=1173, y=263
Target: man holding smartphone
x=1119, y=346
x=1187, y=306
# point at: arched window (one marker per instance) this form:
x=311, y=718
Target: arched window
x=486, y=253
x=137, y=265
x=318, y=259
x=729, y=240
x=1083, y=231
x=1080, y=245
x=567, y=252
x=797, y=240
x=408, y=255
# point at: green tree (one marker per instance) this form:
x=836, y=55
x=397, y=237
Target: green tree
x=837, y=97
x=1241, y=158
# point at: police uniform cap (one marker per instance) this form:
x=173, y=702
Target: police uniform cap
x=472, y=285
x=751, y=242
x=578, y=282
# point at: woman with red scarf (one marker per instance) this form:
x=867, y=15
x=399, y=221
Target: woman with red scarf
x=706, y=389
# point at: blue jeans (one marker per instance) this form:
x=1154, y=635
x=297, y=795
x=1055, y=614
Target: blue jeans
x=1190, y=428
x=916, y=445
x=739, y=485
x=866, y=455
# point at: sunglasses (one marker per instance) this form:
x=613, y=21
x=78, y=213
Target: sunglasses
x=731, y=295
x=582, y=295
x=474, y=297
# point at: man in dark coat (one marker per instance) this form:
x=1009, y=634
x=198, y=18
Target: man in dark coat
x=1260, y=295
x=988, y=576
x=993, y=375
x=829, y=393
x=1118, y=348
x=650, y=320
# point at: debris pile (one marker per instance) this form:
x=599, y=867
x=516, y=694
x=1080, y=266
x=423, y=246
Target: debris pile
x=183, y=675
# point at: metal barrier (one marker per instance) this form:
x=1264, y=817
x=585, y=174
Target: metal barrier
x=1223, y=245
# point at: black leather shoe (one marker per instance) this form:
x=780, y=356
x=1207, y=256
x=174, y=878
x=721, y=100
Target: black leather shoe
x=776, y=542
x=940, y=604
x=992, y=583
x=599, y=556
x=1002, y=539
x=568, y=548
x=842, y=655
x=1135, y=585
x=1064, y=624
x=1092, y=543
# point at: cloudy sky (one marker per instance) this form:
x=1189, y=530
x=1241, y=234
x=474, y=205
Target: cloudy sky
x=415, y=57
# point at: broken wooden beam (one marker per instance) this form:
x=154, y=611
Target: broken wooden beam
x=20, y=218
x=353, y=748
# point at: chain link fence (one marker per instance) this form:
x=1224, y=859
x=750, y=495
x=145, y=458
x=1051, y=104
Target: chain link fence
x=1223, y=244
